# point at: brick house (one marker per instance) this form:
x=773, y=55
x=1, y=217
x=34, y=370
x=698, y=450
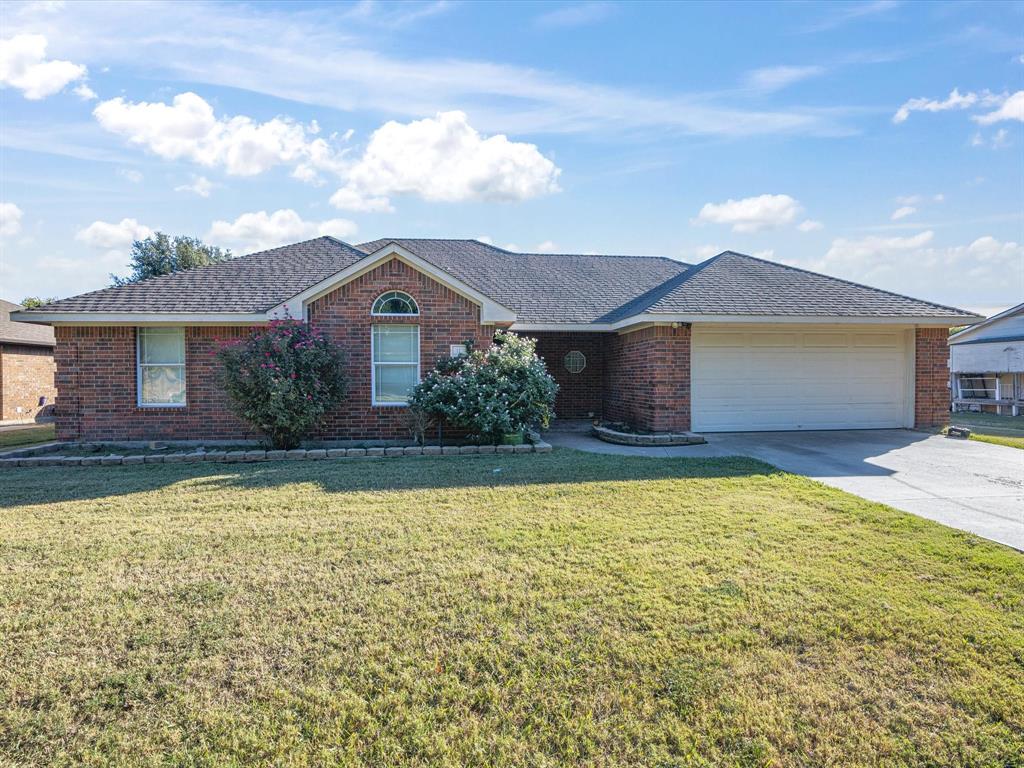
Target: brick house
x=734, y=343
x=27, y=390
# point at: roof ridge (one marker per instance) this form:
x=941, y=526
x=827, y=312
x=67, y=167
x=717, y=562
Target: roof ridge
x=525, y=253
x=842, y=280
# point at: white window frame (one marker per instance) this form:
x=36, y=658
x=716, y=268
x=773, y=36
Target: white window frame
x=139, y=365
x=412, y=302
x=374, y=363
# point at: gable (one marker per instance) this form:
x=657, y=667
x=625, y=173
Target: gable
x=490, y=311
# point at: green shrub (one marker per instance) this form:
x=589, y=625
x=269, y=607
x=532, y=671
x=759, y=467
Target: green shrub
x=282, y=379
x=501, y=390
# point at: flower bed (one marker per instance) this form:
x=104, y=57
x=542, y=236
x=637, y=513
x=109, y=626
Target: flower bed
x=660, y=439
x=53, y=457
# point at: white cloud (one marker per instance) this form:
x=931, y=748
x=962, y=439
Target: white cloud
x=1001, y=139
x=903, y=212
x=10, y=219
x=576, y=15
x=132, y=175
x=485, y=239
x=444, y=159
x=767, y=253
x=188, y=129
x=84, y=92
x=547, y=246
x=1011, y=109
x=809, y=225
x=771, y=79
x=322, y=58
x=349, y=199
x=23, y=65
x=200, y=185
x=259, y=230
x=111, y=236
x=752, y=214
x=915, y=266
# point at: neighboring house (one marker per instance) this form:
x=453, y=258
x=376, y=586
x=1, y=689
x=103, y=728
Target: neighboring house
x=27, y=390
x=733, y=343
x=987, y=364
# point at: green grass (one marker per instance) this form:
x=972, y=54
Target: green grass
x=33, y=434
x=990, y=428
x=569, y=609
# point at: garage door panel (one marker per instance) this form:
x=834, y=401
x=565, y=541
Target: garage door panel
x=798, y=380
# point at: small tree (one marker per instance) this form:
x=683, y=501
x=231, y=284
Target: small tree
x=503, y=389
x=160, y=254
x=282, y=379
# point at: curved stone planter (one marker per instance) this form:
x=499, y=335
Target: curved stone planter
x=659, y=440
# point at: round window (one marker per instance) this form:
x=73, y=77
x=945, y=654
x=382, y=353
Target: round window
x=575, y=361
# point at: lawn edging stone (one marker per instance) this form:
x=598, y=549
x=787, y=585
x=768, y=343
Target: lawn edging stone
x=298, y=454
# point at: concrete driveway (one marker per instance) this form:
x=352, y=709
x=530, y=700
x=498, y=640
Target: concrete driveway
x=972, y=486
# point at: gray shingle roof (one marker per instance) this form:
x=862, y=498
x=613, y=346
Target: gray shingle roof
x=252, y=283
x=544, y=287
x=12, y=332
x=735, y=284
x=539, y=287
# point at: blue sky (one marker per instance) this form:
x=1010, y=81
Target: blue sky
x=876, y=141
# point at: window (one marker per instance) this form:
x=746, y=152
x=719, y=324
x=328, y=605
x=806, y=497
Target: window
x=161, y=367
x=396, y=362
x=394, y=303
x=575, y=361
x=457, y=350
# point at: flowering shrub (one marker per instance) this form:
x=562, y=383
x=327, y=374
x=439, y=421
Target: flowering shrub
x=282, y=379
x=501, y=390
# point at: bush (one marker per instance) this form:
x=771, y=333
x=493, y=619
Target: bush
x=502, y=390
x=282, y=379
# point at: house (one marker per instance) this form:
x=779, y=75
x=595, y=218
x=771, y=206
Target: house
x=27, y=390
x=987, y=364
x=732, y=343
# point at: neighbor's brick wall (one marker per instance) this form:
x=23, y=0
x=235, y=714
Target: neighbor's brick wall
x=580, y=395
x=26, y=375
x=343, y=315
x=647, y=378
x=96, y=387
x=931, y=377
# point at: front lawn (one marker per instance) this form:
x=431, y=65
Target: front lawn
x=534, y=610
x=990, y=428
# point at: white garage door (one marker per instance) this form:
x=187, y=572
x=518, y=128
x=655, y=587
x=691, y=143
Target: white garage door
x=762, y=378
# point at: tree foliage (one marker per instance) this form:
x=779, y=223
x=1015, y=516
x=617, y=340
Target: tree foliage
x=282, y=379
x=37, y=301
x=161, y=254
x=497, y=391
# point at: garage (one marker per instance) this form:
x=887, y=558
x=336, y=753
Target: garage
x=778, y=377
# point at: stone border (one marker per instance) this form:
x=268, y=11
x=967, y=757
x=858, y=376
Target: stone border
x=299, y=454
x=648, y=441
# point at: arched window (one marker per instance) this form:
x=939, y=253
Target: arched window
x=395, y=303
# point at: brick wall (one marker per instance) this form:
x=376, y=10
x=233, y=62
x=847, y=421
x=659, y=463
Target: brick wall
x=647, y=378
x=931, y=377
x=580, y=395
x=445, y=318
x=97, y=382
x=26, y=375
x=96, y=385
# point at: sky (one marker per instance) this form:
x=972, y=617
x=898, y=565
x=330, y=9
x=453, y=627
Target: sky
x=879, y=141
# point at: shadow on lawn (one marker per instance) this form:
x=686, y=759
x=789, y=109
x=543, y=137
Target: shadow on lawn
x=50, y=485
